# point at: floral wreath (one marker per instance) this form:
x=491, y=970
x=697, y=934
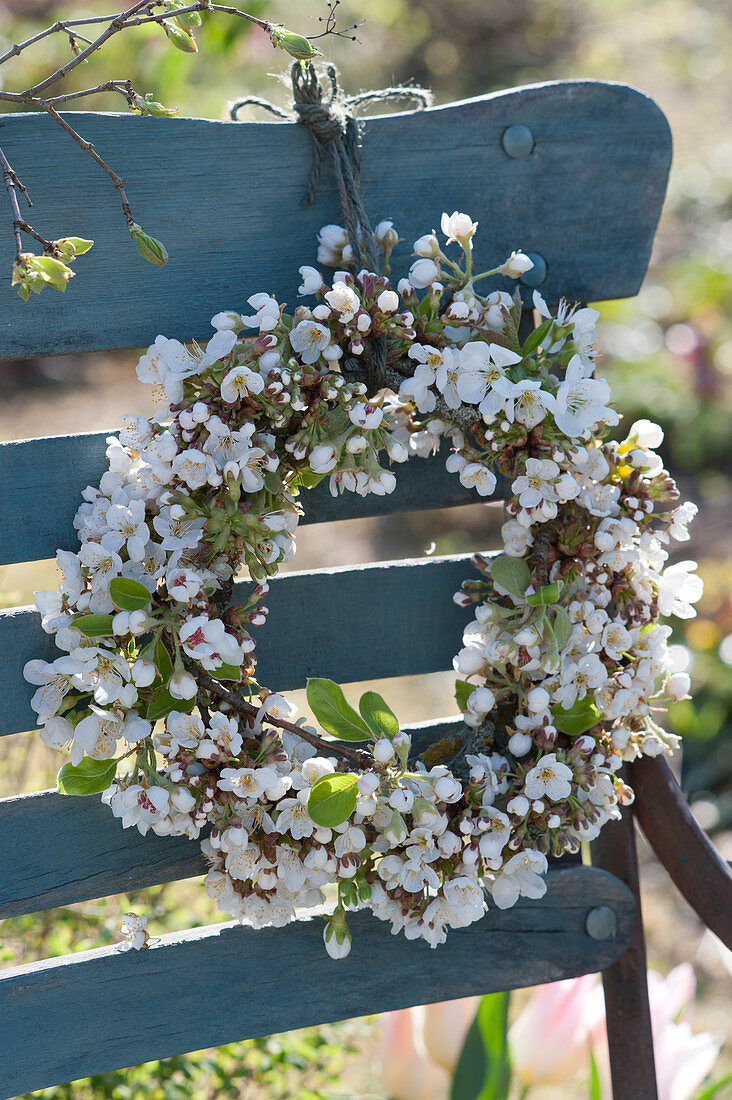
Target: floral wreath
x=562, y=672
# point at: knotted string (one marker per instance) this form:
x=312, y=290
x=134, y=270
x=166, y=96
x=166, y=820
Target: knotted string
x=333, y=127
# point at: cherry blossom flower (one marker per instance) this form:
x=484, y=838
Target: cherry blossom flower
x=267, y=313
x=458, y=227
x=550, y=778
x=312, y=280
x=333, y=246
x=520, y=877
x=678, y=588
x=309, y=339
x=344, y=300
x=481, y=366
x=241, y=383
x=54, y=681
x=134, y=931
x=127, y=528
x=537, y=484
x=581, y=402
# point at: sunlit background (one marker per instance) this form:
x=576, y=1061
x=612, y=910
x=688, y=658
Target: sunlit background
x=668, y=356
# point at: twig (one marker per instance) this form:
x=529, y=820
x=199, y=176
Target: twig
x=87, y=146
x=214, y=687
x=124, y=87
x=47, y=245
x=62, y=25
x=11, y=181
x=116, y=24
x=540, y=553
x=130, y=18
x=463, y=418
x=140, y=13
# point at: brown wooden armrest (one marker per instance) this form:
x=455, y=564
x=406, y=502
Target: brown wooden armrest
x=684, y=849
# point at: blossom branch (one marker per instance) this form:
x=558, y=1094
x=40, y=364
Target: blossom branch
x=88, y=147
x=465, y=418
x=177, y=24
x=248, y=710
x=11, y=183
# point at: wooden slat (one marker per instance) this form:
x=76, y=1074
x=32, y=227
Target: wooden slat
x=218, y=984
x=54, y=470
x=587, y=199
x=360, y=623
x=57, y=850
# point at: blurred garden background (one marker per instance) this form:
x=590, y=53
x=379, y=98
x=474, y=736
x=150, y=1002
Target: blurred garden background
x=667, y=354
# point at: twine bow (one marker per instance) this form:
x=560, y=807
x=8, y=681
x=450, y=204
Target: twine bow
x=334, y=127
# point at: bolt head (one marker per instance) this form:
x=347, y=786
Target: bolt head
x=517, y=141
x=601, y=923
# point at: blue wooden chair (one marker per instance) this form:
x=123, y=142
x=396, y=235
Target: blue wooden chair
x=573, y=173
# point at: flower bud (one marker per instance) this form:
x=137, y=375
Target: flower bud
x=388, y=301
x=383, y=751
x=423, y=273
x=148, y=247
x=517, y=264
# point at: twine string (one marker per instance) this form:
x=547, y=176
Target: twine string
x=335, y=129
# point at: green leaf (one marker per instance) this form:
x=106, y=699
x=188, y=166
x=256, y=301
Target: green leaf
x=71, y=247
x=189, y=19
x=272, y=482
x=713, y=1090
x=329, y=706
x=595, y=1090
x=534, y=338
x=547, y=594
x=163, y=662
x=550, y=640
x=577, y=719
x=158, y=655
x=511, y=574
x=163, y=702
x=378, y=716
x=333, y=799
x=226, y=672
x=562, y=626
x=483, y=1070
x=306, y=479
x=463, y=691
x=53, y=271
x=128, y=595
x=94, y=626
x=88, y=777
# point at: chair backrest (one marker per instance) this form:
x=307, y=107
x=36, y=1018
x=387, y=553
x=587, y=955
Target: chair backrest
x=583, y=191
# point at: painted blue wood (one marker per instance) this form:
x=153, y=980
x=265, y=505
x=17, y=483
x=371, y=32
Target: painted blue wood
x=225, y=197
x=400, y=620
x=66, y=1018
x=57, y=850
x=41, y=482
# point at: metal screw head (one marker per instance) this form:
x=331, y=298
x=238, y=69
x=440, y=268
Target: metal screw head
x=601, y=923
x=536, y=275
x=517, y=141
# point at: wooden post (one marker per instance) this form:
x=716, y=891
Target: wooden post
x=629, y=1034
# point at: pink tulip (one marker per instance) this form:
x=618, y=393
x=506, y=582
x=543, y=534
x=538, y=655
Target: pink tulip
x=549, y=1039
x=683, y=1059
x=444, y=1027
x=407, y=1073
